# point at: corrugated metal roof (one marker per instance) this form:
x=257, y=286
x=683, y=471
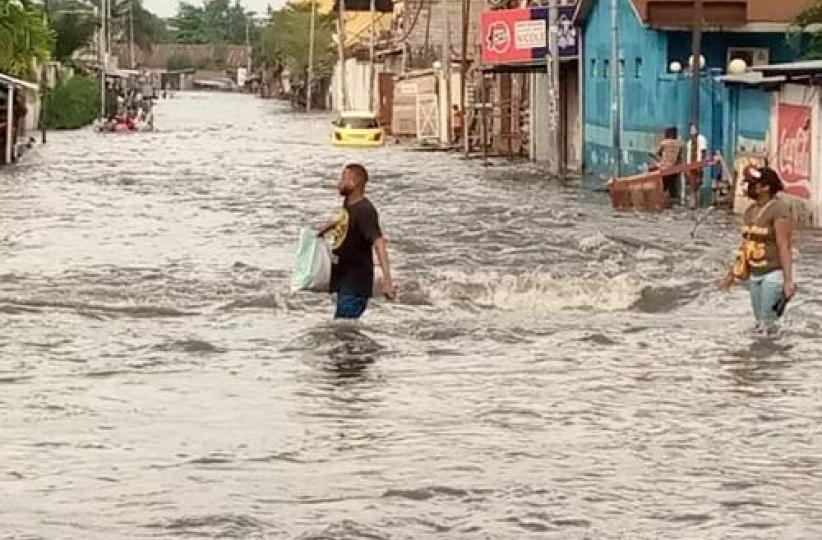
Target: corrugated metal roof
x=751, y=78
x=8, y=80
x=757, y=12
x=810, y=67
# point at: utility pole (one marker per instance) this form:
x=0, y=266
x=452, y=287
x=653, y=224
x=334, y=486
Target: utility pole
x=10, y=142
x=616, y=93
x=103, y=57
x=44, y=88
x=696, y=70
x=131, y=33
x=446, y=65
x=108, y=25
x=248, y=50
x=341, y=39
x=555, y=167
x=466, y=18
x=371, y=46
x=310, y=76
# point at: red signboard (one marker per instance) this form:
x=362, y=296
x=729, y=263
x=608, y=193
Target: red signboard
x=521, y=35
x=794, y=149
x=509, y=35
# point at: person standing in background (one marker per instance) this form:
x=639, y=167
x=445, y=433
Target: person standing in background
x=667, y=156
x=695, y=178
x=457, y=121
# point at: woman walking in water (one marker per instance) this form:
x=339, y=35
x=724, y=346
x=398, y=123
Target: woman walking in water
x=765, y=257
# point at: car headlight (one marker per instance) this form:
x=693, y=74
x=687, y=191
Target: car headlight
x=376, y=136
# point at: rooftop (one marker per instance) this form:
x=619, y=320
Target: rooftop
x=759, y=15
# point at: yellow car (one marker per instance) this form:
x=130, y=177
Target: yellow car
x=357, y=129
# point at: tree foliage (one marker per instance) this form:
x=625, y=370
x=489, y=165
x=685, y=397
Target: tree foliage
x=285, y=42
x=215, y=21
x=149, y=29
x=73, y=104
x=24, y=37
x=805, y=34
x=75, y=21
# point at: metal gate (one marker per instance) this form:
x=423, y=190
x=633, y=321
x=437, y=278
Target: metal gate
x=428, y=125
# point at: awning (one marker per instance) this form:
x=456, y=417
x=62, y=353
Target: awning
x=525, y=67
x=751, y=78
x=806, y=71
x=122, y=73
x=212, y=84
x=8, y=80
x=380, y=6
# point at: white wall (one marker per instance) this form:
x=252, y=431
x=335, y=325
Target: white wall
x=358, y=79
x=33, y=114
x=539, y=149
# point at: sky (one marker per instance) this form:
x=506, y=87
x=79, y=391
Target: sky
x=168, y=8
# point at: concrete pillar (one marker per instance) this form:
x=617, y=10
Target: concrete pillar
x=10, y=125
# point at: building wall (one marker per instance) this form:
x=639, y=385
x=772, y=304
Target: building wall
x=437, y=27
x=715, y=46
x=653, y=98
x=648, y=100
x=786, y=152
x=358, y=80
x=539, y=148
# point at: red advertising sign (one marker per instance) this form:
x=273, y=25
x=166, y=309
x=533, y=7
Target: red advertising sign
x=521, y=35
x=509, y=35
x=794, y=149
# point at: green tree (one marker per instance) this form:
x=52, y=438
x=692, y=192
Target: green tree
x=805, y=34
x=74, y=103
x=215, y=21
x=149, y=29
x=72, y=31
x=24, y=37
x=285, y=42
x=178, y=62
x=75, y=21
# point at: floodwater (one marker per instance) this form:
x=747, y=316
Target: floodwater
x=551, y=369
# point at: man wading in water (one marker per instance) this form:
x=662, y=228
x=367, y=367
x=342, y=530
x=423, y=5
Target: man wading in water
x=765, y=257
x=356, y=233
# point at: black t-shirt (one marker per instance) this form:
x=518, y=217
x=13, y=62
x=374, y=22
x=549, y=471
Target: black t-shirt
x=352, y=269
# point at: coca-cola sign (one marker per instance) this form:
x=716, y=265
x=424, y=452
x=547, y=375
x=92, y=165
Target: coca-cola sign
x=794, y=149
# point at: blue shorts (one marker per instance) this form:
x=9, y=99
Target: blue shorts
x=350, y=306
x=766, y=290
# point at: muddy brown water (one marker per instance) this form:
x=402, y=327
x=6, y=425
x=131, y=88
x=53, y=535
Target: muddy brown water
x=550, y=370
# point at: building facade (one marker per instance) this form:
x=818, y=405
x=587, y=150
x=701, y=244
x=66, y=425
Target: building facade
x=654, y=83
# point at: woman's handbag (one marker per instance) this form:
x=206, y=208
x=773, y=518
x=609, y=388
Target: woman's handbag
x=741, y=269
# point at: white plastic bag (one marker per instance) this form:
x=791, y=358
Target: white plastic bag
x=312, y=266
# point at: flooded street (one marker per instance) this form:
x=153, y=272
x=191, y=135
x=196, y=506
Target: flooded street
x=551, y=369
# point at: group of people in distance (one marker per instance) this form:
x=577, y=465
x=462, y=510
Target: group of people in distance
x=130, y=119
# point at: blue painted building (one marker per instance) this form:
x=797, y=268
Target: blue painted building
x=653, y=97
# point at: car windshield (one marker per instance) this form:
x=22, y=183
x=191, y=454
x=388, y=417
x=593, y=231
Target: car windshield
x=358, y=123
